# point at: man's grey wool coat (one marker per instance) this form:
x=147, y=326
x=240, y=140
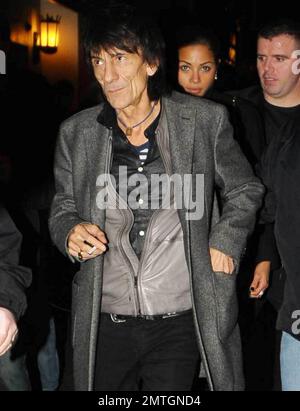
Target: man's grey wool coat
x=200, y=143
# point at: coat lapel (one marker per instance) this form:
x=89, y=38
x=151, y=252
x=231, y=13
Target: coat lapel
x=181, y=125
x=187, y=147
x=97, y=145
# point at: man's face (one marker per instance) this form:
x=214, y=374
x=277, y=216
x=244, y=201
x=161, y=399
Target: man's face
x=123, y=76
x=275, y=66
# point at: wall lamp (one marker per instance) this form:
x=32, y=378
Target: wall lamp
x=47, y=39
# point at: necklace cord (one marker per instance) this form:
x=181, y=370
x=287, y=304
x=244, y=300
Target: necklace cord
x=129, y=129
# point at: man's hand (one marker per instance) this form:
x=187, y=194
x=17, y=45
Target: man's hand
x=260, y=279
x=86, y=241
x=8, y=330
x=221, y=262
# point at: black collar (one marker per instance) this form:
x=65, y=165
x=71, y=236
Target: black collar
x=108, y=119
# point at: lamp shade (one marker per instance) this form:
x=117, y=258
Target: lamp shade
x=49, y=34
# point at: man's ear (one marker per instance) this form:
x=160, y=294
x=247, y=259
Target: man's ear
x=151, y=70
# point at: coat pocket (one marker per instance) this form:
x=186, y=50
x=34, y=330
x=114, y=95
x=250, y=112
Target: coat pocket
x=226, y=303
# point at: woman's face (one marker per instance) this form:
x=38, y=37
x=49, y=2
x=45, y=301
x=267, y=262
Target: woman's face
x=197, y=69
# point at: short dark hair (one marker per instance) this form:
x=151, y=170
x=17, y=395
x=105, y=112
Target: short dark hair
x=125, y=27
x=279, y=27
x=191, y=35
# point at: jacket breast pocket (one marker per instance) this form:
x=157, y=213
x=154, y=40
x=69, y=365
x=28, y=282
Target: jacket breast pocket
x=226, y=303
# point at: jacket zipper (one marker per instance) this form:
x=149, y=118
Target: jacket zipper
x=134, y=277
x=146, y=242
x=136, y=294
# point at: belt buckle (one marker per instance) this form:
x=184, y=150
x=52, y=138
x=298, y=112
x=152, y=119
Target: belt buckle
x=148, y=317
x=115, y=319
x=168, y=315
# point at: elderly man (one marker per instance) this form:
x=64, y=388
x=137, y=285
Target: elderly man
x=156, y=286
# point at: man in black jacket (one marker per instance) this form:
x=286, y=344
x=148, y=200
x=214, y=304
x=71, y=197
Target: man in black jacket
x=281, y=173
x=13, y=281
x=277, y=99
x=279, y=102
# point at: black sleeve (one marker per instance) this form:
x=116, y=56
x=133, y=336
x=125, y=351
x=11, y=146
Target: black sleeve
x=251, y=130
x=267, y=248
x=13, y=277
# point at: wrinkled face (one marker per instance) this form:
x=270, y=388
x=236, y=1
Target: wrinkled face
x=123, y=76
x=197, y=69
x=275, y=66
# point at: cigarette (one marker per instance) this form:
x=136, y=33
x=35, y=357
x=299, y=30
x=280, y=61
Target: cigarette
x=92, y=250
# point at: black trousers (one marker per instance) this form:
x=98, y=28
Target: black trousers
x=147, y=355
